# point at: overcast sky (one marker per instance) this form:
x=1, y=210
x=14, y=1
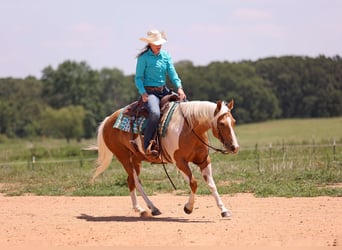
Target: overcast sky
x=105, y=33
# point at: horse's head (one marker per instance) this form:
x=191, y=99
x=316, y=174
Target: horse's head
x=223, y=126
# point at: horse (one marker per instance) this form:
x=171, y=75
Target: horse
x=185, y=141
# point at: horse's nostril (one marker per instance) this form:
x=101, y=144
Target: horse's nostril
x=232, y=148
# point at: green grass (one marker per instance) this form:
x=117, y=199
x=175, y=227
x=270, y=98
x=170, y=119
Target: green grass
x=302, y=161
x=291, y=131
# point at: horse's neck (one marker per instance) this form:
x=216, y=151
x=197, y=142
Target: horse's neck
x=198, y=114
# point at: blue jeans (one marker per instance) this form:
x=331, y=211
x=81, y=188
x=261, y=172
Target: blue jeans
x=152, y=106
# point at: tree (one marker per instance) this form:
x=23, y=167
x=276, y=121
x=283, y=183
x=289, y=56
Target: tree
x=75, y=84
x=20, y=106
x=238, y=81
x=305, y=87
x=118, y=89
x=65, y=123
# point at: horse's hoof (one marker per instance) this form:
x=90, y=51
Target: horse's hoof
x=145, y=214
x=226, y=215
x=187, y=210
x=156, y=212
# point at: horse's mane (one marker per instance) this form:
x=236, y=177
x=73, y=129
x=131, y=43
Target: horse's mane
x=194, y=110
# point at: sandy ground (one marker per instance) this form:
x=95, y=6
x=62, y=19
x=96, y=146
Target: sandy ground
x=110, y=221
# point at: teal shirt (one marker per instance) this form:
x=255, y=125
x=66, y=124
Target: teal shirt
x=152, y=69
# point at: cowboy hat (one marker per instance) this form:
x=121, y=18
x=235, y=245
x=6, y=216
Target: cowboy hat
x=155, y=37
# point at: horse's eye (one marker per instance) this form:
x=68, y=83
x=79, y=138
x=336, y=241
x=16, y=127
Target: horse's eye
x=221, y=123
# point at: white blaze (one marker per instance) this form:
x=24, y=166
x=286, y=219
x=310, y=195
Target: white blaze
x=234, y=139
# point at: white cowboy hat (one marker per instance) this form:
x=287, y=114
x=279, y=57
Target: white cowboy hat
x=155, y=37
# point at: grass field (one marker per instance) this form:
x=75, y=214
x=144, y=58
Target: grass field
x=291, y=131
x=297, y=157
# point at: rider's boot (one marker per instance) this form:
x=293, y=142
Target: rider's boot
x=151, y=149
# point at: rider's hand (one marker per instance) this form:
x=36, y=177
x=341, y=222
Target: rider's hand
x=181, y=94
x=144, y=97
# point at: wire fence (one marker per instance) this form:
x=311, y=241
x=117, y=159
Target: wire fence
x=33, y=161
x=291, y=158
x=274, y=156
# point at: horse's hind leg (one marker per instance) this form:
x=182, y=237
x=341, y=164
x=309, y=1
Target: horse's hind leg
x=134, y=198
x=133, y=170
x=154, y=210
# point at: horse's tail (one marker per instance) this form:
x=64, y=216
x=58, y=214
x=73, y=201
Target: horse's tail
x=105, y=156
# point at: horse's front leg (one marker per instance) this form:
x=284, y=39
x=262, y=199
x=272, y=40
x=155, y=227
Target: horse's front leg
x=189, y=206
x=185, y=170
x=154, y=210
x=208, y=177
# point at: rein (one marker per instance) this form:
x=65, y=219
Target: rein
x=162, y=156
x=199, y=138
x=167, y=174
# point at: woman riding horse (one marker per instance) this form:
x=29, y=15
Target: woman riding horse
x=185, y=141
x=153, y=64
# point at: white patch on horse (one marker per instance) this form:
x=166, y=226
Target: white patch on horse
x=208, y=176
x=232, y=132
x=171, y=142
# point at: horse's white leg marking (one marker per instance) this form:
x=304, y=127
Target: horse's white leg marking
x=148, y=202
x=208, y=177
x=136, y=206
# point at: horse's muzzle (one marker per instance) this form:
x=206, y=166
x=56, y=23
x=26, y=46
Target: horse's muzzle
x=234, y=149
x=231, y=149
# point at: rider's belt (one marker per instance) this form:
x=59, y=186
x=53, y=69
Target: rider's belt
x=150, y=88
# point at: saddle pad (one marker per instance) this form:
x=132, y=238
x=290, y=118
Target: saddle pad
x=164, y=124
x=124, y=123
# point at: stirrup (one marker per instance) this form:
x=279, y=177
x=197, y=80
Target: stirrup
x=150, y=151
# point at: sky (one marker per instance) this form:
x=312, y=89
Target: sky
x=35, y=34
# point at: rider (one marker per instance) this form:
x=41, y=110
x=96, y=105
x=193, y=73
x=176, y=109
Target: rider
x=153, y=64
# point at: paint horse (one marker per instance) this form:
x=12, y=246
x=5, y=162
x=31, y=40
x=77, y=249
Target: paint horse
x=184, y=141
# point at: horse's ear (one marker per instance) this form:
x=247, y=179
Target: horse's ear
x=218, y=107
x=231, y=104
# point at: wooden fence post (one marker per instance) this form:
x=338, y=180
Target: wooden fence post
x=334, y=150
x=257, y=157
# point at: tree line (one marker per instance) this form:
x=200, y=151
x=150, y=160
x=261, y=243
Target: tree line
x=69, y=101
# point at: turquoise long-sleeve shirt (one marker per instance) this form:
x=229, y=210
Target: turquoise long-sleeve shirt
x=151, y=70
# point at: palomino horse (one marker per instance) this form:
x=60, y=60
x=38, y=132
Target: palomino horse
x=185, y=141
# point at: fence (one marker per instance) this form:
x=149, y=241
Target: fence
x=261, y=157
x=286, y=156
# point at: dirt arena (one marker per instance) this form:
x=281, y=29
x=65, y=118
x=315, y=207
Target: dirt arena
x=27, y=221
